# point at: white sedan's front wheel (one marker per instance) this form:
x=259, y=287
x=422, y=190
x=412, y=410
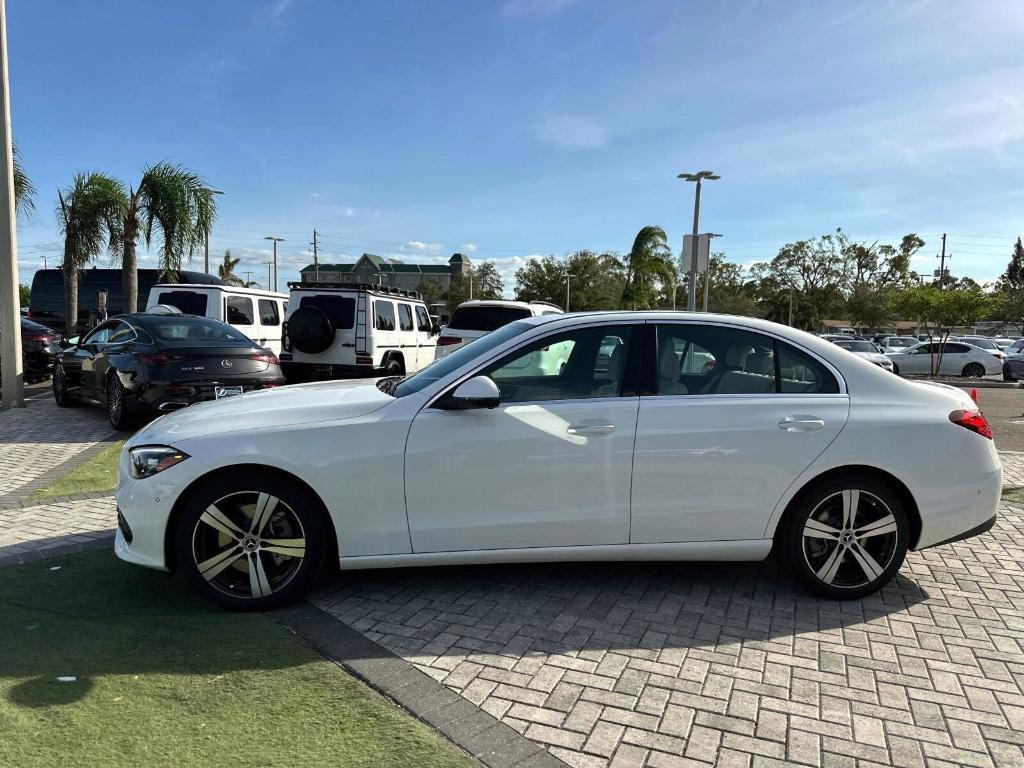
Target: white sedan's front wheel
x=250, y=542
x=846, y=538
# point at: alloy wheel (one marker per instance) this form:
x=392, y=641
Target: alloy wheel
x=974, y=370
x=850, y=539
x=248, y=544
x=115, y=400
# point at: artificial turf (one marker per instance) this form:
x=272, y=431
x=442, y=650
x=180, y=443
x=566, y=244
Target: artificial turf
x=97, y=474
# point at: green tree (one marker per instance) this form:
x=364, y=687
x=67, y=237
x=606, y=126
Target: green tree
x=940, y=310
x=179, y=205
x=1010, y=288
x=729, y=288
x=649, y=268
x=597, y=282
x=23, y=189
x=226, y=270
x=487, y=282
x=431, y=291
x=24, y=294
x=89, y=217
x=542, y=279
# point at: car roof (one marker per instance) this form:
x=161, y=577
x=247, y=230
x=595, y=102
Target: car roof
x=228, y=288
x=509, y=303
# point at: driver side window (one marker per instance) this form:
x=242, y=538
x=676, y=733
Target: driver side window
x=101, y=335
x=580, y=364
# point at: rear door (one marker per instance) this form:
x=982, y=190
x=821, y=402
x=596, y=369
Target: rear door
x=269, y=314
x=425, y=339
x=340, y=308
x=735, y=417
x=385, y=329
x=240, y=311
x=407, y=336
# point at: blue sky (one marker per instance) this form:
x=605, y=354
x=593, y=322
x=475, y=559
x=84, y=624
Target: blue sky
x=511, y=128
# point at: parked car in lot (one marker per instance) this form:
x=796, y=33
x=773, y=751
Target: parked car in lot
x=866, y=350
x=896, y=343
x=257, y=313
x=344, y=330
x=982, y=342
x=476, y=318
x=777, y=446
x=958, y=359
x=39, y=347
x=147, y=363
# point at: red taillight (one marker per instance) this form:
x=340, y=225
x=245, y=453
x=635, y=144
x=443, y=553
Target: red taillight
x=446, y=341
x=972, y=420
x=265, y=357
x=34, y=337
x=159, y=358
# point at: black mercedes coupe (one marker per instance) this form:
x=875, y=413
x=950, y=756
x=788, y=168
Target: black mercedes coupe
x=145, y=364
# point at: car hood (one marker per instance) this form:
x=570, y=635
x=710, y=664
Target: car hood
x=282, y=406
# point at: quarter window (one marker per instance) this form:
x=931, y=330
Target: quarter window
x=799, y=372
x=122, y=333
x=405, y=317
x=385, y=315
x=268, y=312
x=239, y=310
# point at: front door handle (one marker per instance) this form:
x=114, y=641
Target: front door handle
x=801, y=423
x=590, y=430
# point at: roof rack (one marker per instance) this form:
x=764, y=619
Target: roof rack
x=545, y=303
x=387, y=289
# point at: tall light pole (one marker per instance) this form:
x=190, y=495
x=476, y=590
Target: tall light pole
x=206, y=237
x=707, y=272
x=567, y=278
x=276, y=241
x=13, y=392
x=270, y=266
x=691, y=300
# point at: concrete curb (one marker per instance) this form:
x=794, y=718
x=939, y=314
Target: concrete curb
x=479, y=733
x=33, y=551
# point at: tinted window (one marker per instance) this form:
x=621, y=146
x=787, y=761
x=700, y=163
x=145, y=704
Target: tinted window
x=341, y=309
x=189, y=302
x=956, y=349
x=191, y=330
x=708, y=359
x=123, y=332
x=577, y=364
x=268, y=312
x=405, y=317
x=101, y=334
x=485, y=318
x=385, y=315
x=799, y=372
x=422, y=319
x=239, y=310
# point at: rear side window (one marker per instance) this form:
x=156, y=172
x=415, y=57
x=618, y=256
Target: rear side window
x=799, y=372
x=422, y=319
x=239, y=310
x=385, y=315
x=405, y=317
x=485, y=318
x=268, y=312
x=341, y=309
x=189, y=302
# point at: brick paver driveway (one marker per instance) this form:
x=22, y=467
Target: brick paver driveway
x=667, y=665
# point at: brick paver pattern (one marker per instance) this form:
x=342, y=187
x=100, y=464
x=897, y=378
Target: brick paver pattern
x=56, y=523
x=1013, y=468
x=686, y=665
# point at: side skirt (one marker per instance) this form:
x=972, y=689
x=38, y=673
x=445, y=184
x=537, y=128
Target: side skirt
x=746, y=550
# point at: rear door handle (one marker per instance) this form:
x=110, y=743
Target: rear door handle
x=590, y=430
x=801, y=423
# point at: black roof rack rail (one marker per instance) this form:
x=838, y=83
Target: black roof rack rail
x=386, y=289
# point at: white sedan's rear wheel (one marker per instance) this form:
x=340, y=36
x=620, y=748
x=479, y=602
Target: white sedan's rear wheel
x=845, y=538
x=974, y=370
x=252, y=543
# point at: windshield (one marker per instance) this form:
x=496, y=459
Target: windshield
x=485, y=318
x=901, y=341
x=443, y=366
x=190, y=330
x=857, y=346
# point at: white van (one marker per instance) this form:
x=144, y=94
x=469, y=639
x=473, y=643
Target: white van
x=257, y=313
x=478, y=317
x=343, y=330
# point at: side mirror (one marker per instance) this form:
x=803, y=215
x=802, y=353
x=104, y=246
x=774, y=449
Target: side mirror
x=478, y=392
x=73, y=341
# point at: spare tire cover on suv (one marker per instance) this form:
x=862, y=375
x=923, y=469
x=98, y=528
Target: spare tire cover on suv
x=310, y=330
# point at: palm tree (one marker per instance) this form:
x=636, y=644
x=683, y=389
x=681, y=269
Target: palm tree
x=23, y=189
x=226, y=271
x=89, y=217
x=649, y=263
x=181, y=206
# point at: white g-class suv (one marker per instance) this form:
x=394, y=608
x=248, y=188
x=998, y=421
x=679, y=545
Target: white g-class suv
x=344, y=330
x=476, y=318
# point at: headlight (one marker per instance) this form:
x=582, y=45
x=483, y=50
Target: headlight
x=147, y=460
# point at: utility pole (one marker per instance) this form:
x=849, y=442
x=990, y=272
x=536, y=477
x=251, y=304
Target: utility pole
x=316, y=259
x=691, y=300
x=567, y=277
x=270, y=265
x=11, y=371
x=248, y=278
x=276, y=241
x=942, y=262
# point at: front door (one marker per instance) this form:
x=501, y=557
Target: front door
x=426, y=342
x=736, y=418
x=548, y=467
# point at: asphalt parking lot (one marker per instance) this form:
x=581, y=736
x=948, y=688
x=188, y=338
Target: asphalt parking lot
x=1004, y=409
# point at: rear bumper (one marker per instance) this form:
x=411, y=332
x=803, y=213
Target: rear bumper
x=169, y=395
x=315, y=371
x=964, y=501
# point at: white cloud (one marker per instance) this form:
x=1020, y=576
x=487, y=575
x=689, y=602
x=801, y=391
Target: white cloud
x=470, y=248
x=416, y=245
x=535, y=8
x=573, y=132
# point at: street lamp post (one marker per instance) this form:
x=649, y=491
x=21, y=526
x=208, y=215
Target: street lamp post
x=567, y=278
x=270, y=265
x=11, y=371
x=707, y=272
x=276, y=240
x=691, y=300
x=206, y=238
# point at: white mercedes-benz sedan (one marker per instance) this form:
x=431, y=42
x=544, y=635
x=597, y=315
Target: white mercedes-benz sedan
x=663, y=436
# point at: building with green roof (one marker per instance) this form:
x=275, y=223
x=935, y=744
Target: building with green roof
x=372, y=270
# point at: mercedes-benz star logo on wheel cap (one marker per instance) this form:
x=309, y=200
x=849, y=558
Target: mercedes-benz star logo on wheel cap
x=226, y=363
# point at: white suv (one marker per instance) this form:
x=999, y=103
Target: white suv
x=476, y=318
x=344, y=330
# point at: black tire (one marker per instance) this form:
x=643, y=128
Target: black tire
x=310, y=330
x=394, y=366
x=896, y=369
x=854, y=565
x=974, y=370
x=60, y=389
x=227, y=551
x=117, y=403
x=1007, y=373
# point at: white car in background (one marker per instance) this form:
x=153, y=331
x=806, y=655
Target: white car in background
x=897, y=343
x=958, y=359
x=478, y=317
x=631, y=451
x=866, y=350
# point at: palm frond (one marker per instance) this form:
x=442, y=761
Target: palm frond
x=23, y=189
x=89, y=216
x=180, y=204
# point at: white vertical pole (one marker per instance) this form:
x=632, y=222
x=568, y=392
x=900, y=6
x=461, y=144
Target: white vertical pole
x=13, y=385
